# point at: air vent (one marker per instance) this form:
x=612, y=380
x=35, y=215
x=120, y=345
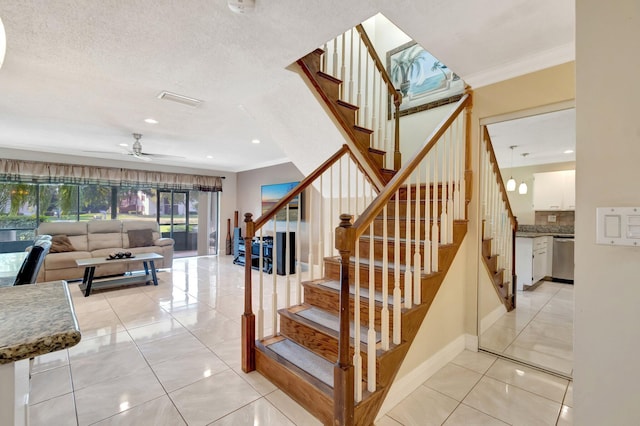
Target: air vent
x=181, y=99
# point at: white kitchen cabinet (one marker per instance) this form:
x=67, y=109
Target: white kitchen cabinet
x=554, y=190
x=532, y=261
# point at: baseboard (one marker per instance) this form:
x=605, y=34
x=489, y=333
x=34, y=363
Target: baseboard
x=471, y=342
x=491, y=318
x=403, y=387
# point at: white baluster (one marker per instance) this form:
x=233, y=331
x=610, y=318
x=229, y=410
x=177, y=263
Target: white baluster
x=427, y=214
x=357, y=357
x=260, y=318
x=351, y=55
x=417, y=259
x=371, y=335
x=397, y=294
x=408, y=279
x=435, y=237
x=384, y=314
x=444, y=216
x=274, y=295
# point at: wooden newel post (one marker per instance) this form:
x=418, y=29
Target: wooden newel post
x=514, y=276
x=343, y=395
x=248, y=318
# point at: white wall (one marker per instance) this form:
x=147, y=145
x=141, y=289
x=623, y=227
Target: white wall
x=607, y=292
x=250, y=182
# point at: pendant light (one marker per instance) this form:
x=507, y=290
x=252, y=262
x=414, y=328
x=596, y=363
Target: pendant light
x=522, y=189
x=511, y=183
x=3, y=43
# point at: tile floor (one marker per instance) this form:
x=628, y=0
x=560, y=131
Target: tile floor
x=169, y=355
x=539, y=331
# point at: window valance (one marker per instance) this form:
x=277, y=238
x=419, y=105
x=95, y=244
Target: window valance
x=40, y=172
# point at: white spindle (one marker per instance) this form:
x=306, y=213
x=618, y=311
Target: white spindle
x=359, y=102
x=287, y=259
x=450, y=155
x=274, y=295
x=429, y=188
x=310, y=221
x=384, y=314
x=417, y=259
x=321, y=230
x=351, y=55
x=444, y=216
x=357, y=358
x=371, y=335
x=366, y=93
x=298, y=240
x=408, y=279
x=435, y=237
x=397, y=294
x=260, y=318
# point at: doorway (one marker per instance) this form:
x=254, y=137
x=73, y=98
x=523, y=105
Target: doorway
x=539, y=331
x=178, y=219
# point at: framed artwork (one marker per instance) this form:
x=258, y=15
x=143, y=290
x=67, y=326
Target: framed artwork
x=271, y=194
x=423, y=80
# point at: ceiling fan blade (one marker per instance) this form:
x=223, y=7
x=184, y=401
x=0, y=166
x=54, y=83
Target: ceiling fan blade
x=141, y=156
x=161, y=155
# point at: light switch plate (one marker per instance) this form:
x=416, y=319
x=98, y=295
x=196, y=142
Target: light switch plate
x=618, y=226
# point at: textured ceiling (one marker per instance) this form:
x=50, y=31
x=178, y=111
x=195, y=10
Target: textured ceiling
x=83, y=75
x=543, y=137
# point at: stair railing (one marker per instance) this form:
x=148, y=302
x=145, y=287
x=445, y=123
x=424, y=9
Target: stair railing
x=498, y=222
x=339, y=184
x=431, y=189
x=352, y=58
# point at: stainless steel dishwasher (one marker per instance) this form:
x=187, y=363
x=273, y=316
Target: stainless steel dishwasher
x=562, y=268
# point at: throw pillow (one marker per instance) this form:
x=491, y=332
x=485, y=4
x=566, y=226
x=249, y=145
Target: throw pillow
x=61, y=244
x=140, y=238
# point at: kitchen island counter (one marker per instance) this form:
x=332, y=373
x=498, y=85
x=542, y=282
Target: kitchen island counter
x=35, y=319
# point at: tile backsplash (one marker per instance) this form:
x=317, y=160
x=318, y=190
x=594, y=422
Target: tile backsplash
x=555, y=218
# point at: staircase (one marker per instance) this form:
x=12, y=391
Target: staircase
x=499, y=227
x=497, y=273
x=301, y=360
x=345, y=114
x=338, y=346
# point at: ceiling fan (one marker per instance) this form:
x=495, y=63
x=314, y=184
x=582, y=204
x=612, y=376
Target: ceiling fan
x=137, y=152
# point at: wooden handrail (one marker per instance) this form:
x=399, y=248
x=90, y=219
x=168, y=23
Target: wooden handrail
x=496, y=169
x=370, y=213
x=259, y=222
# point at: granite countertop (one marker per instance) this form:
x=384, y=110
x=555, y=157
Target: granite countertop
x=36, y=319
x=542, y=234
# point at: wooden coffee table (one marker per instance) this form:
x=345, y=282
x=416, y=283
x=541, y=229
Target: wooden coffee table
x=91, y=264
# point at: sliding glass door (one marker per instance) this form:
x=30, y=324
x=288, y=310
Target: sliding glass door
x=178, y=219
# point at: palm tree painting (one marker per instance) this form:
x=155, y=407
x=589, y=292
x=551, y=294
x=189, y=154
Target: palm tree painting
x=422, y=79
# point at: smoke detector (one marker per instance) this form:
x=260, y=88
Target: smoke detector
x=242, y=6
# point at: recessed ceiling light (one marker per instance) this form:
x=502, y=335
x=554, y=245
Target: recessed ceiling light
x=123, y=144
x=209, y=156
x=150, y=121
x=569, y=151
x=255, y=140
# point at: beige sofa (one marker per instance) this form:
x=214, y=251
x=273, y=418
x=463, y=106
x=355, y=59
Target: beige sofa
x=98, y=238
